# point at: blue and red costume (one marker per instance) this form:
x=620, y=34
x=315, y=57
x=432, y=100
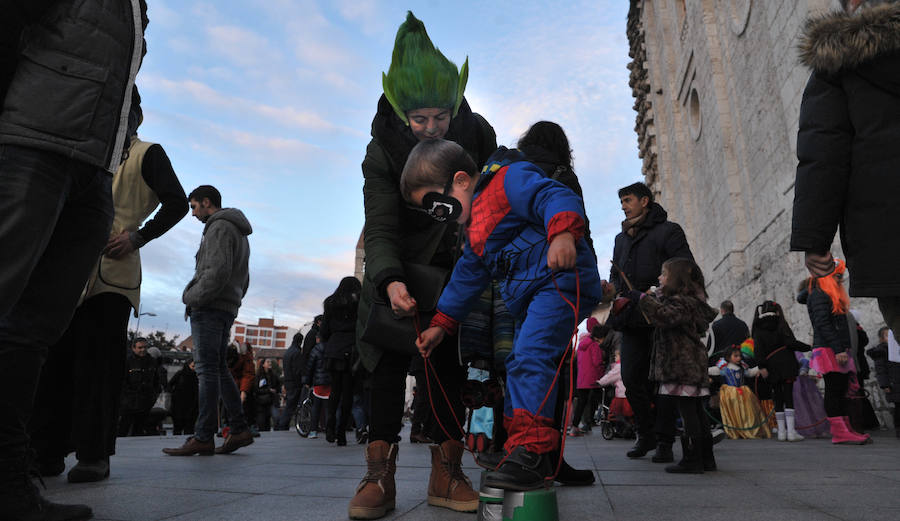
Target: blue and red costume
x=516, y=212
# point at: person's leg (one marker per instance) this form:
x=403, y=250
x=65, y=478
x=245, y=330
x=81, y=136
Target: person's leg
x=692, y=439
x=581, y=399
x=55, y=215
x=667, y=412
x=290, y=406
x=836, y=394
x=318, y=405
x=99, y=369
x=635, y=358
x=890, y=311
x=346, y=380
x=334, y=401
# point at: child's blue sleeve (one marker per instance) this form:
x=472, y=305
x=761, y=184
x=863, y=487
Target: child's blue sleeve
x=542, y=200
x=469, y=279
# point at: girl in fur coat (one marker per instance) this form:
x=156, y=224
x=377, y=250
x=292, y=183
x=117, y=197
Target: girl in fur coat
x=681, y=316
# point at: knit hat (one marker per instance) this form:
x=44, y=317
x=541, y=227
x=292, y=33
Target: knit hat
x=420, y=76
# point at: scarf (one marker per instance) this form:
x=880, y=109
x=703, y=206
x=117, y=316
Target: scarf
x=630, y=226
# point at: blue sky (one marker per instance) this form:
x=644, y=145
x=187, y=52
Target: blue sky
x=271, y=101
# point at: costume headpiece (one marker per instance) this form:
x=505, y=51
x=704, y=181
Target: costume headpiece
x=420, y=76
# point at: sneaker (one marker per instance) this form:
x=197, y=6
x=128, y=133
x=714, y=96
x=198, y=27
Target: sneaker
x=313, y=435
x=575, y=432
x=718, y=434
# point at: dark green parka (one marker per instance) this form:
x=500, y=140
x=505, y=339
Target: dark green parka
x=394, y=233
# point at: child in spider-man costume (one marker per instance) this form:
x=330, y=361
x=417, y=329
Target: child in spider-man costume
x=524, y=230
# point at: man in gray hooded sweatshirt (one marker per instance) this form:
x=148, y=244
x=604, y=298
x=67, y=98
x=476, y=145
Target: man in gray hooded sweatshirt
x=212, y=298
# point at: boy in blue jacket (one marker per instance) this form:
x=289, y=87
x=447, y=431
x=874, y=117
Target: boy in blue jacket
x=523, y=230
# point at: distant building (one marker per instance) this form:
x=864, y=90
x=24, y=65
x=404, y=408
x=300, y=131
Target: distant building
x=263, y=334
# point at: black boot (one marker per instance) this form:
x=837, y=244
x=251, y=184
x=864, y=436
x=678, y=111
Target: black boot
x=692, y=458
x=663, y=453
x=570, y=476
x=706, y=452
x=522, y=470
x=22, y=501
x=643, y=445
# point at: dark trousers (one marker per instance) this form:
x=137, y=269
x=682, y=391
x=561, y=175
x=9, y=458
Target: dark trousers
x=387, y=394
x=836, y=385
x=341, y=398
x=421, y=419
x=586, y=402
x=77, y=403
x=639, y=389
x=291, y=400
x=783, y=395
x=133, y=423
x=210, y=329
x=318, y=407
x=692, y=415
x=55, y=216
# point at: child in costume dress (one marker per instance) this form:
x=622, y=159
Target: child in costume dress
x=774, y=346
x=809, y=408
x=741, y=413
x=827, y=302
x=524, y=231
x=680, y=316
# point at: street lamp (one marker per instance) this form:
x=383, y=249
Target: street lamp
x=137, y=328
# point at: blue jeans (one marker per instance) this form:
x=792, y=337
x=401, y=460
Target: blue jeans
x=210, y=329
x=55, y=216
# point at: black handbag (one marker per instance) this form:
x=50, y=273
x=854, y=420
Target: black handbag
x=425, y=284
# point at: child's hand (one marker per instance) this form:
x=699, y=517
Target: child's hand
x=429, y=339
x=561, y=254
x=842, y=358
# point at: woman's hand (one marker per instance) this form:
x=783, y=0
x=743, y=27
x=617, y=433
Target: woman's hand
x=842, y=358
x=561, y=255
x=402, y=303
x=429, y=339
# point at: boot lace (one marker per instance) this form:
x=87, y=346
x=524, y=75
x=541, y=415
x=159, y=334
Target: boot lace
x=378, y=469
x=456, y=472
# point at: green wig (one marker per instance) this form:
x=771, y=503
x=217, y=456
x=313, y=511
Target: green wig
x=420, y=76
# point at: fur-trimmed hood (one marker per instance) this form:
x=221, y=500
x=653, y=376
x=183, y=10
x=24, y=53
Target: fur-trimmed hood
x=837, y=40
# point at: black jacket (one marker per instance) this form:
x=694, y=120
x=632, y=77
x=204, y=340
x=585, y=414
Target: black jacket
x=339, y=329
x=141, y=385
x=308, y=344
x=266, y=387
x=829, y=329
x=641, y=257
x=769, y=336
x=728, y=331
x=184, y=387
x=316, y=373
x=887, y=372
x=66, y=74
x=293, y=365
x=847, y=145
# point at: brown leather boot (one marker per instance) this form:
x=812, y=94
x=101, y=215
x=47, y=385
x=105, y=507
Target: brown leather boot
x=376, y=492
x=193, y=446
x=449, y=487
x=235, y=441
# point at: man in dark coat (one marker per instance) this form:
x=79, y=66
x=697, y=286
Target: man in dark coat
x=647, y=240
x=728, y=330
x=847, y=149
x=66, y=74
x=888, y=374
x=138, y=390
x=293, y=379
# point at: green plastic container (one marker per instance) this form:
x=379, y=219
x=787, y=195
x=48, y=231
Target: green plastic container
x=534, y=505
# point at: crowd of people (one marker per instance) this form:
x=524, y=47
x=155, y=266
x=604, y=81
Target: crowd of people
x=479, y=269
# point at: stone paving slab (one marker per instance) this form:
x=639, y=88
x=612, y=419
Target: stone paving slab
x=285, y=477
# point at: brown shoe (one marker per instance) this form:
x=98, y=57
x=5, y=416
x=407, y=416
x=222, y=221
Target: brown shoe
x=449, y=487
x=235, y=441
x=193, y=446
x=376, y=493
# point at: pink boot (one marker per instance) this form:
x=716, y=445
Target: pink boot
x=841, y=432
x=851, y=429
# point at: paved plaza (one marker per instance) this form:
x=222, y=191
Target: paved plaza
x=285, y=477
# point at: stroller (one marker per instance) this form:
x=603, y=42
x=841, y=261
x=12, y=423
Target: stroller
x=612, y=426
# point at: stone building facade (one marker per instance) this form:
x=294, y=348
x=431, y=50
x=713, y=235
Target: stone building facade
x=717, y=87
